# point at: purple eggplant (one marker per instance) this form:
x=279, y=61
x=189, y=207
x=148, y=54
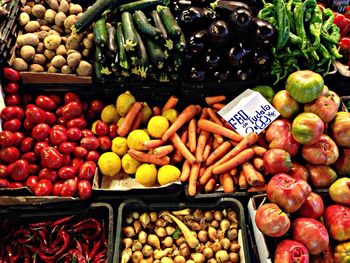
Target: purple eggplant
x=262, y=58
x=194, y=15
x=225, y=7
x=264, y=33
x=198, y=41
x=237, y=54
x=211, y=59
x=221, y=75
x=243, y=74
x=240, y=20
x=197, y=74
x=219, y=33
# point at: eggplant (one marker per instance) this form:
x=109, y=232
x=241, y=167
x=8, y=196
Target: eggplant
x=211, y=59
x=243, y=74
x=264, y=33
x=221, y=75
x=197, y=74
x=219, y=33
x=241, y=20
x=225, y=8
x=198, y=41
x=262, y=58
x=193, y=15
x=236, y=55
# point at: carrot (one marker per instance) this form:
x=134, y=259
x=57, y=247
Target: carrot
x=250, y=174
x=207, y=149
x=261, y=142
x=227, y=183
x=227, y=125
x=151, y=144
x=192, y=133
x=137, y=121
x=204, y=114
x=218, y=153
x=163, y=150
x=186, y=115
x=177, y=156
x=234, y=143
x=171, y=103
x=210, y=185
x=192, y=181
x=247, y=142
x=218, y=106
x=215, y=99
x=216, y=144
x=185, y=171
x=180, y=146
x=148, y=158
x=233, y=171
x=218, y=138
x=201, y=171
x=206, y=175
x=258, y=163
x=239, y=159
x=259, y=151
x=254, y=189
x=125, y=127
x=202, y=140
x=214, y=117
x=242, y=182
x=210, y=126
x=156, y=111
x=236, y=179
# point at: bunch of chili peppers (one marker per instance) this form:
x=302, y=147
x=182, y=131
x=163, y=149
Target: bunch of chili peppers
x=307, y=37
x=62, y=240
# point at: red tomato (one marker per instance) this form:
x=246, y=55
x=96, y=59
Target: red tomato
x=90, y=115
x=50, y=118
x=57, y=137
x=35, y=115
x=337, y=220
x=77, y=122
x=4, y=183
x=27, y=125
x=69, y=187
x=299, y=171
x=57, y=187
x=11, y=87
x=50, y=158
x=3, y=171
x=72, y=110
x=39, y=146
x=59, y=127
x=45, y=102
x=6, y=139
x=14, y=185
x=62, y=121
x=12, y=112
x=26, y=99
x=312, y=207
x=96, y=106
x=9, y=154
x=113, y=128
x=33, y=169
x=19, y=170
x=11, y=74
x=80, y=152
x=30, y=157
x=27, y=145
x=71, y=96
x=90, y=143
x=74, y=134
x=12, y=125
x=57, y=99
x=66, y=172
x=31, y=182
x=67, y=147
x=66, y=159
x=105, y=143
x=84, y=189
x=92, y=156
x=13, y=99
x=48, y=174
x=43, y=188
x=76, y=163
x=101, y=128
x=87, y=170
x=41, y=131
x=19, y=136
x=87, y=133
x=59, y=111
x=277, y=161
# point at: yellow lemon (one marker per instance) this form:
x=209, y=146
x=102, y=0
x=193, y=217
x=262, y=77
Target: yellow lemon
x=157, y=125
x=146, y=174
x=170, y=114
x=109, y=164
x=124, y=103
x=136, y=138
x=119, y=146
x=109, y=114
x=129, y=164
x=146, y=113
x=168, y=174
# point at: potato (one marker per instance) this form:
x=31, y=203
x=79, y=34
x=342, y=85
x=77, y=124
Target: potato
x=86, y=52
x=52, y=42
x=88, y=43
x=59, y=18
x=58, y=61
x=42, y=22
x=66, y=70
x=75, y=9
x=45, y=28
x=73, y=60
x=70, y=21
x=50, y=16
x=61, y=50
x=71, y=51
x=28, y=39
x=27, y=53
x=40, y=48
x=80, y=15
x=64, y=7
x=84, y=68
x=58, y=29
x=36, y=68
x=19, y=64
x=90, y=36
x=23, y=19
x=64, y=39
x=54, y=33
x=39, y=11
x=53, y=4
x=27, y=9
x=32, y=26
x=39, y=59
x=41, y=35
x=49, y=54
x=72, y=43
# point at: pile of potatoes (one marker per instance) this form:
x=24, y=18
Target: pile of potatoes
x=48, y=42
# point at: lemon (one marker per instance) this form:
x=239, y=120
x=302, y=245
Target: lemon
x=136, y=138
x=124, y=103
x=109, y=114
x=129, y=164
x=120, y=121
x=146, y=113
x=119, y=146
x=157, y=125
x=109, y=164
x=170, y=114
x=93, y=127
x=168, y=174
x=146, y=174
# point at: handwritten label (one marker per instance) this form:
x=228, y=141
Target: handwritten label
x=249, y=112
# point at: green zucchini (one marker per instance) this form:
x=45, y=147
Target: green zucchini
x=129, y=31
x=97, y=69
x=138, y=5
x=123, y=59
x=169, y=21
x=181, y=43
x=112, y=43
x=157, y=21
x=100, y=32
x=142, y=57
x=99, y=55
x=155, y=53
x=144, y=26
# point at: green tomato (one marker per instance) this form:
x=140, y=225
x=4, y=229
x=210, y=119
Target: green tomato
x=266, y=91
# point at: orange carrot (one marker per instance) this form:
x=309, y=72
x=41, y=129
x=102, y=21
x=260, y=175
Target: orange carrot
x=236, y=179
x=177, y=156
x=247, y=142
x=214, y=99
x=258, y=163
x=239, y=159
x=261, y=142
x=206, y=175
x=210, y=126
x=207, y=149
x=202, y=140
x=218, y=153
x=156, y=111
x=210, y=185
x=216, y=144
x=227, y=125
x=251, y=175
x=192, y=133
x=186, y=115
x=259, y=151
x=180, y=146
x=227, y=183
x=192, y=182
x=163, y=150
x=125, y=127
x=218, y=106
x=137, y=121
x=185, y=171
x=218, y=138
x=204, y=114
x=201, y=171
x=214, y=117
x=233, y=171
x=171, y=103
x=151, y=144
x=242, y=182
x=254, y=189
x=148, y=158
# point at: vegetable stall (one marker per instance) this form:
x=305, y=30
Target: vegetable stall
x=174, y=131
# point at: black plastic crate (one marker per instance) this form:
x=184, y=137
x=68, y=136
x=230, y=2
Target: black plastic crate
x=138, y=205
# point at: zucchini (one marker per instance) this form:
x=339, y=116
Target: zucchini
x=97, y=69
x=177, y=60
x=129, y=31
x=144, y=26
x=155, y=53
x=112, y=43
x=123, y=59
x=91, y=15
x=169, y=21
x=157, y=21
x=137, y=5
x=99, y=55
x=142, y=57
x=181, y=44
x=100, y=32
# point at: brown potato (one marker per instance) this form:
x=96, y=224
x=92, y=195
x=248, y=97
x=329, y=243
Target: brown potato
x=36, y=68
x=32, y=26
x=52, y=42
x=75, y=9
x=64, y=7
x=86, y=52
x=41, y=35
x=90, y=36
x=70, y=21
x=40, y=48
x=45, y=28
x=88, y=43
x=66, y=70
x=73, y=60
x=23, y=19
x=27, y=53
x=53, y=4
x=28, y=39
x=38, y=11
x=58, y=61
x=42, y=22
x=19, y=64
x=27, y=9
x=72, y=43
x=59, y=19
x=84, y=68
x=58, y=29
x=61, y=50
x=50, y=15
x=39, y=59
x=49, y=54
x=54, y=33
x=52, y=69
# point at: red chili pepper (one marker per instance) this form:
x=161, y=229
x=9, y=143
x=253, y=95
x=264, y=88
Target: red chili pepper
x=104, y=236
x=32, y=248
x=78, y=246
x=43, y=234
x=88, y=224
x=95, y=248
x=344, y=43
x=100, y=257
x=342, y=23
x=85, y=249
x=65, y=237
x=26, y=254
x=75, y=254
x=39, y=225
x=61, y=221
